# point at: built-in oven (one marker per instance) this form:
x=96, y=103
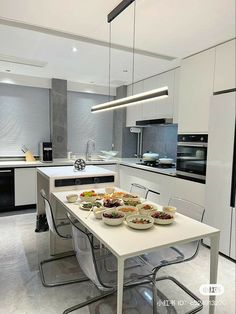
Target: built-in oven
x=192, y=157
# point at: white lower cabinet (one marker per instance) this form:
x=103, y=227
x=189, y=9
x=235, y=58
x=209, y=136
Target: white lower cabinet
x=189, y=190
x=167, y=186
x=25, y=186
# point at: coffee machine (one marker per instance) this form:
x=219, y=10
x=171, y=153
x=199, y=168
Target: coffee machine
x=45, y=149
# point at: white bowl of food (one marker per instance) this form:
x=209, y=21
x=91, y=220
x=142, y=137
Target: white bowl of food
x=112, y=202
x=88, y=196
x=118, y=194
x=128, y=210
x=162, y=218
x=72, y=198
x=131, y=199
x=113, y=217
x=86, y=205
x=146, y=208
x=169, y=210
x=140, y=222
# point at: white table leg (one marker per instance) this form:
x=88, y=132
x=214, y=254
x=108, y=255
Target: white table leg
x=213, y=268
x=120, y=283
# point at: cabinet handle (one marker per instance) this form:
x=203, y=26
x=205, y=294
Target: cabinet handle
x=5, y=171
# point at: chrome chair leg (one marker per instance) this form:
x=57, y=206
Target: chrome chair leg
x=61, y=283
x=184, y=288
x=90, y=301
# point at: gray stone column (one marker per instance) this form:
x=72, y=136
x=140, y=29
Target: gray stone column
x=124, y=141
x=58, y=110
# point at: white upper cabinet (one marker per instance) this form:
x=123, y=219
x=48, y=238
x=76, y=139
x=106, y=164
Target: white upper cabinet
x=225, y=66
x=134, y=113
x=162, y=108
x=196, y=88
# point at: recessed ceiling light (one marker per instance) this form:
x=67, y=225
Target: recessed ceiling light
x=8, y=70
x=74, y=49
x=125, y=70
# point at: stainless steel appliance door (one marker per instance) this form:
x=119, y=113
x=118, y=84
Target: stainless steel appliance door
x=191, y=159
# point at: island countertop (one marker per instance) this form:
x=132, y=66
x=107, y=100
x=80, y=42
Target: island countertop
x=69, y=172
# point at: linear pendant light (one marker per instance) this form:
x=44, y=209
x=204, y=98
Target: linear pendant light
x=141, y=98
x=137, y=99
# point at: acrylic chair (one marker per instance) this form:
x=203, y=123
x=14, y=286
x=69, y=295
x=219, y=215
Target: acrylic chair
x=139, y=190
x=177, y=254
x=54, y=229
x=92, y=263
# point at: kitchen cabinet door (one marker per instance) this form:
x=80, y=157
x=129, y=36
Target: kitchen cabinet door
x=134, y=113
x=25, y=186
x=161, y=108
x=176, y=96
x=225, y=66
x=149, y=109
x=196, y=88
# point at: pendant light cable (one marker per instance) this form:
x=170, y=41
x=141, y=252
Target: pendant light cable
x=109, y=65
x=133, y=50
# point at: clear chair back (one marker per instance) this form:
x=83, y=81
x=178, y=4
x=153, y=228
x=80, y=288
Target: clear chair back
x=153, y=196
x=193, y=211
x=48, y=212
x=139, y=190
x=187, y=208
x=85, y=254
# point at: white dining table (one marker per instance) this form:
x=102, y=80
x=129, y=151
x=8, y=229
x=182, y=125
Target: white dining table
x=125, y=242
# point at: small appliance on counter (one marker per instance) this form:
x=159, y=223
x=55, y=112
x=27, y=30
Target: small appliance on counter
x=152, y=160
x=45, y=149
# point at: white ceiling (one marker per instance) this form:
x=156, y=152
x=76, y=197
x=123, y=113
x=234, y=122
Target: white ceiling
x=171, y=27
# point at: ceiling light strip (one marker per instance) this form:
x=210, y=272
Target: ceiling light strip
x=118, y=9
x=132, y=100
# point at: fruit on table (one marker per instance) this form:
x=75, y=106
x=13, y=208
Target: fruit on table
x=88, y=193
x=161, y=215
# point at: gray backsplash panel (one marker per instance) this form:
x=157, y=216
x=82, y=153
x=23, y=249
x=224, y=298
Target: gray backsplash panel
x=84, y=125
x=24, y=118
x=161, y=139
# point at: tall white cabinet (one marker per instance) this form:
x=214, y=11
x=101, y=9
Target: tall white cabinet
x=195, y=90
x=225, y=66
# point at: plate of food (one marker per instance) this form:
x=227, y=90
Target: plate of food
x=162, y=218
x=146, y=208
x=88, y=196
x=112, y=202
x=118, y=194
x=113, y=217
x=86, y=205
x=140, y=222
x=127, y=210
x=100, y=196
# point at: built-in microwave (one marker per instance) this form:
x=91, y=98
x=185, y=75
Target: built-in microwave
x=192, y=157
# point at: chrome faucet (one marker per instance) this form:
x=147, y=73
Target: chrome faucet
x=90, y=147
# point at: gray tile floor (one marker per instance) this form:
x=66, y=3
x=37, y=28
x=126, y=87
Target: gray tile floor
x=21, y=290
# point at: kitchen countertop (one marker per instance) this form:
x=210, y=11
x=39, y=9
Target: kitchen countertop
x=68, y=172
x=129, y=162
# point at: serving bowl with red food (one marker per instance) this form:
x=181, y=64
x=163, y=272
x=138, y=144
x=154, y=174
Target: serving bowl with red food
x=112, y=202
x=162, y=218
x=88, y=196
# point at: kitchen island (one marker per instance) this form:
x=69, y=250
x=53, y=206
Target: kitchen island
x=55, y=179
